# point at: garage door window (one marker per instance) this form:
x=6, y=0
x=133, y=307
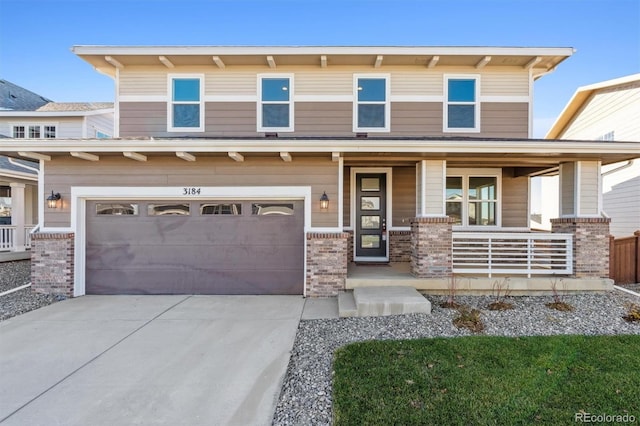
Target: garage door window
x=234, y=209
x=116, y=209
x=168, y=210
x=277, y=209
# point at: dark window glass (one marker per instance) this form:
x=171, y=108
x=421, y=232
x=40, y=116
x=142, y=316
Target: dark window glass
x=234, y=209
x=265, y=209
x=168, y=209
x=371, y=115
x=461, y=116
x=275, y=115
x=186, y=115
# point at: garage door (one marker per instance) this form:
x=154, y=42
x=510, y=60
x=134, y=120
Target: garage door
x=195, y=247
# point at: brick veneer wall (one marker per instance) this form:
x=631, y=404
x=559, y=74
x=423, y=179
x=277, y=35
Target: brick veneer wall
x=349, y=246
x=400, y=246
x=326, y=263
x=431, y=247
x=52, y=263
x=590, y=244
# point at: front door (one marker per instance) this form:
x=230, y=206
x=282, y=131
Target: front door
x=371, y=217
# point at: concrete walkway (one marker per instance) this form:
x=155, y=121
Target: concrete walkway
x=162, y=360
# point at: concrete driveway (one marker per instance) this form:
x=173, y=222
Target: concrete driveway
x=147, y=360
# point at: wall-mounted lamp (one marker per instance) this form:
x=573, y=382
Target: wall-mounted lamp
x=52, y=200
x=324, y=201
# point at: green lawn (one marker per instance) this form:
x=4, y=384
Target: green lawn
x=486, y=380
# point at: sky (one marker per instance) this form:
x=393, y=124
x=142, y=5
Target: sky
x=36, y=35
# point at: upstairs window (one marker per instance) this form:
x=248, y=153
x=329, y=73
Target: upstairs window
x=371, y=108
x=275, y=109
x=461, y=109
x=186, y=109
x=34, y=131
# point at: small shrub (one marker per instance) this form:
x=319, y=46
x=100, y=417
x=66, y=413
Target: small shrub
x=558, y=296
x=500, y=290
x=452, y=290
x=633, y=313
x=469, y=319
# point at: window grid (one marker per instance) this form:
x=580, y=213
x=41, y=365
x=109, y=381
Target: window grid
x=18, y=132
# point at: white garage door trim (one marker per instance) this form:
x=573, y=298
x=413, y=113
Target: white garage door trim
x=80, y=195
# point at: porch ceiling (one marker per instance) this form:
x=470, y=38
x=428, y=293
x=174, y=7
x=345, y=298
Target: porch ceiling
x=458, y=152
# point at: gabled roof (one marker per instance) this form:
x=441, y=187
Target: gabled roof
x=16, y=98
x=15, y=168
x=107, y=59
x=580, y=98
x=74, y=106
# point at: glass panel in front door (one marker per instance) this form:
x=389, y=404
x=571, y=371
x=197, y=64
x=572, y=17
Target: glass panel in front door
x=371, y=216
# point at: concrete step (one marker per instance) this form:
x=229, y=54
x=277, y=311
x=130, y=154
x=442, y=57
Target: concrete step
x=346, y=305
x=396, y=300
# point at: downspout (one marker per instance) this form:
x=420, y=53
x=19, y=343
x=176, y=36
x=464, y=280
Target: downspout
x=617, y=169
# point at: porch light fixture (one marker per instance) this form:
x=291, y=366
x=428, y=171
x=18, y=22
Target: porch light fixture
x=324, y=201
x=52, y=200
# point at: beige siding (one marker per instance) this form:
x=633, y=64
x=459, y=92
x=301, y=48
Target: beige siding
x=404, y=195
x=621, y=200
x=504, y=83
x=589, y=189
x=515, y=200
x=229, y=84
x=101, y=122
x=421, y=83
x=615, y=109
x=419, y=191
x=435, y=186
x=320, y=174
x=143, y=83
x=324, y=83
x=567, y=183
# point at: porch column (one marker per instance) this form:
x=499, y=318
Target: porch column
x=581, y=215
x=431, y=234
x=17, y=215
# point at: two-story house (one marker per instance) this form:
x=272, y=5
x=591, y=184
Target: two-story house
x=609, y=111
x=285, y=170
x=28, y=115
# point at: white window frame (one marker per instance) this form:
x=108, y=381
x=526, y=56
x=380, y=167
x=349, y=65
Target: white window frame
x=260, y=102
x=40, y=125
x=446, y=103
x=465, y=174
x=387, y=103
x=170, y=102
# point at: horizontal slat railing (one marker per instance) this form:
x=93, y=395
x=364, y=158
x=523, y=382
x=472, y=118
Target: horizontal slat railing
x=514, y=253
x=7, y=237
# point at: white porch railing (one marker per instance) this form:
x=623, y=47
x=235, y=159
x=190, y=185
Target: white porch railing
x=7, y=233
x=8, y=236
x=520, y=253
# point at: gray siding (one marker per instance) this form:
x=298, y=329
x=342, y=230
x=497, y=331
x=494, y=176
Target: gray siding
x=404, y=195
x=238, y=119
x=320, y=174
x=515, y=200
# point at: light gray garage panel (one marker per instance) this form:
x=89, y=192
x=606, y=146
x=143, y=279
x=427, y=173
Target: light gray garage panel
x=260, y=251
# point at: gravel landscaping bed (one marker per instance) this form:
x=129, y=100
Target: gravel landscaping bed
x=306, y=393
x=16, y=274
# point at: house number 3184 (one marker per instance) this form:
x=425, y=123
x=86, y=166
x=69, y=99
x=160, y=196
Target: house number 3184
x=190, y=191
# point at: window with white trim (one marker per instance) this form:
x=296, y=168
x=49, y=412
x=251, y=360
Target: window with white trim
x=34, y=131
x=275, y=105
x=461, y=106
x=186, y=105
x=371, y=103
x=472, y=199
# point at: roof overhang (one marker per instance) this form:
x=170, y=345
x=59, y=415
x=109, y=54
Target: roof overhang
x=107, y=59
x=509, y=153
x=579, y=98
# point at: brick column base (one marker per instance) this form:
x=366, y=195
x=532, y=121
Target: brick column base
x=349, y=246
x=590, y=244
x=431, y=247
x=400, y=246
x=52, y=263
x=326, y=263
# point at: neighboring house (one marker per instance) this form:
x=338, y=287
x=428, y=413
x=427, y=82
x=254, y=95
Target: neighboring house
x=280, y=170
x=609, y=111
x=27, y=115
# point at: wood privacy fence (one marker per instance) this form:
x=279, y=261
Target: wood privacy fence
x=624, y=263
